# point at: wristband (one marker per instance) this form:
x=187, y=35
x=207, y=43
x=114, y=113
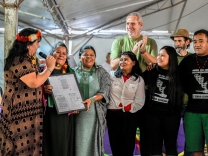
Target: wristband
x=49, y=69
x=92, y=100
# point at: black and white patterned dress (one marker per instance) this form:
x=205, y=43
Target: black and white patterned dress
x=22, y=113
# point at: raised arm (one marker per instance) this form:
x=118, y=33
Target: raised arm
x=116, y=51
x=149, y=58
x=34, y=80
x=148, y=52
x=114, y=63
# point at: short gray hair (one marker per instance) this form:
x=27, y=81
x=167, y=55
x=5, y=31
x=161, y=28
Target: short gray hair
x=139, y=17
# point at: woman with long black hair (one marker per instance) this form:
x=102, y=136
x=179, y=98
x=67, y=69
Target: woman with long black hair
x=163, y=102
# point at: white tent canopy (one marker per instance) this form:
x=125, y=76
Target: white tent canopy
x=107, y=18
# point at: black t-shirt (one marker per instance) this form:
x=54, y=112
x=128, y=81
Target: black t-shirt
x=158, y=80
x=194, y=79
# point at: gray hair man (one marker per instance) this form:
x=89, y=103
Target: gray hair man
x=143, y=47
x=146, y=51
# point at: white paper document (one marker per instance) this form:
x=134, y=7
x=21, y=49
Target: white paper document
x=66, y=93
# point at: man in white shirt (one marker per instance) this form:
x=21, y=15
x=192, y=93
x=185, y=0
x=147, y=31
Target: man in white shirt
x=106, y=64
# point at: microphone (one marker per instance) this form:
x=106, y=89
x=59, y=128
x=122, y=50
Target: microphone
x=42, y=55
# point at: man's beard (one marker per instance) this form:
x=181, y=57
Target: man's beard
x=133, y=34
x=180, y=49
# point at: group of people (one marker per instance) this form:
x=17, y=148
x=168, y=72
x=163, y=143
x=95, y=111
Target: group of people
x=127, y=97
x=29, y=123
x=160, y=112
x=175, y=87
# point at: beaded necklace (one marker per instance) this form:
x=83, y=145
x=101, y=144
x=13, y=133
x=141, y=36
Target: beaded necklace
x=197, y=63
x=33, y=61
x=63, y=68
x=85, y=78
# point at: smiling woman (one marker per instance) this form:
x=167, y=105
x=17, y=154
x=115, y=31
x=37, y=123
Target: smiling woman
x=58, y=129
x=163, y=103
x=127, y=96
x=163, y=59
x=21, y=121
x=88, y=58
x=94, y=84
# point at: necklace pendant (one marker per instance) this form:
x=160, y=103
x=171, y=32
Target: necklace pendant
x=58, y=65
x=63, y=71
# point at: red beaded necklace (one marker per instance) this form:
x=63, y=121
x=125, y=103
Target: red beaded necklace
x=197, y=63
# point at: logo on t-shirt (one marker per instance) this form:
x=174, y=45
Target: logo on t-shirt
x=201, y=80
x=161, y=96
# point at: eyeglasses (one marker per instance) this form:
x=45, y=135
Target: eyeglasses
x=91, y=55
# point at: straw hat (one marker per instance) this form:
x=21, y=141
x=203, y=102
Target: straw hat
x=181, y=33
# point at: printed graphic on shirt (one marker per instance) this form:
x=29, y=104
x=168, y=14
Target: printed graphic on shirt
x=201, y=80
x=161, y=97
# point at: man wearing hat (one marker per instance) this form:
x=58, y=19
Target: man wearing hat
x=181, y=43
